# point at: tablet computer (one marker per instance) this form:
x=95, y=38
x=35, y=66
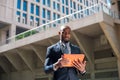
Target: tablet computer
x=72, y=57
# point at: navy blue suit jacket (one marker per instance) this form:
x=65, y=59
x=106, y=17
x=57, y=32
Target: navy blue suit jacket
x=53, y=54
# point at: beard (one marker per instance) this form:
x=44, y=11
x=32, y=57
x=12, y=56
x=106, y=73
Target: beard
x=65, y=40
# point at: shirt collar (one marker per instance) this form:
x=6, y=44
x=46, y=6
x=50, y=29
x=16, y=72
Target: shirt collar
x=64, y=44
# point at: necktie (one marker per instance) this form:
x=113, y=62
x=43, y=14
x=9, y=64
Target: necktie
x=65, y=47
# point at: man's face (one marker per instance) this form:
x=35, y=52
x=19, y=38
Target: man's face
x=66, y=34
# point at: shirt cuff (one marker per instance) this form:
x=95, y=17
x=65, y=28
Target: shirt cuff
x=83, y=72
x=54, y=67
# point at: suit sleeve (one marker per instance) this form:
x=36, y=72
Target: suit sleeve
x=80, y=51
x=48, y=65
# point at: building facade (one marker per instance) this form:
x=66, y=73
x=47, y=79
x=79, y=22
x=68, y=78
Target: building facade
x=28, y=14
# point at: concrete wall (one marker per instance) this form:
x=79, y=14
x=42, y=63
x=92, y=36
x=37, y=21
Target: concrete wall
x=7, y=10
x=25, y=75
x=3, y=35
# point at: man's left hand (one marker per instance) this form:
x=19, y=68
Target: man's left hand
x=80, y=65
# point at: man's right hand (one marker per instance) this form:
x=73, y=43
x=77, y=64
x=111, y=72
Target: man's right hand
x=61, y=62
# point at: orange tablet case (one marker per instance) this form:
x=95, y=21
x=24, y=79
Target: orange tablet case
x=72, y=57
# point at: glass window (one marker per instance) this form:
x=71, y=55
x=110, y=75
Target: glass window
x=71, y=3
x=63, y=9
x=18, y=16
x=37, y=0
x=58, y=16
x=97, y=1
x=58, y=6
x=58, y=0
x=75, y=16
x=32, y=8
x=43, y=21
x=81, y=7
x=24, y=19
x=18, y=13
x=87, y=12
x=67, y=11
x=86, y=3
x=7, y=36
x=37, y=22
x=78, y=7
x=37, y=10
x=63, y=2
x=54, y=16
x=24, y=5
x=54, y=5
x=71, y=11
x=31, y=17
x=74, y=5
x=18, y=4
x=43, y=1
x=48, y=3
x=43, y=13
x=31, y=21
x=81, y=1
x=66, y=2
x=48, y=15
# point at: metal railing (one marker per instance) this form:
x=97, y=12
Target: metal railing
x=63, y=20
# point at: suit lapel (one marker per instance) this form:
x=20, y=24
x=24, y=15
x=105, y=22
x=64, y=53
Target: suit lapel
x=71, y=46
x=58, y=48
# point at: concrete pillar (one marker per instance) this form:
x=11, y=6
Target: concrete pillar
x=3, y=37
x=92, y=67
x=0, y=37
x=6, y=34
x=92, y=72
x=12, y=33
x=14, y=9
x=28, y=13
x=111, y=34
x=118, y=62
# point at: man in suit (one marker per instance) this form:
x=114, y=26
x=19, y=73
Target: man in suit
x=54, y=61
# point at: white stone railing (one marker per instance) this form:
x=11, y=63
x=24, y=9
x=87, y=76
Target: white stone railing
x=63, y=20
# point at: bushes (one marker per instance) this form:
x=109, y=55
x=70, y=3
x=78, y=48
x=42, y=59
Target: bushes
x=26, y=34
x=19, y=37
